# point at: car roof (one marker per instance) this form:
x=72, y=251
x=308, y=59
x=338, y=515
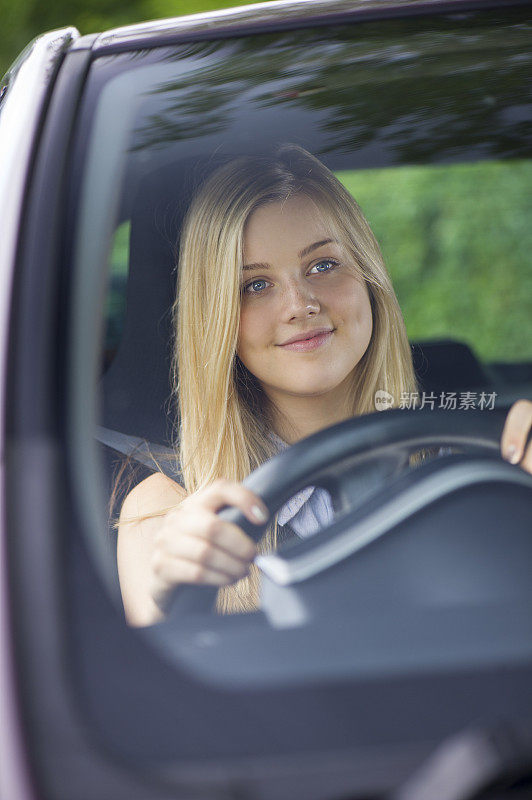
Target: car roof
x=244, y=19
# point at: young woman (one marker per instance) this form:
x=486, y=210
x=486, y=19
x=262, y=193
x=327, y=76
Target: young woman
x=286, y=323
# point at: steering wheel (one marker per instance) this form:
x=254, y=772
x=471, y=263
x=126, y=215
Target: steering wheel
x=335, y=457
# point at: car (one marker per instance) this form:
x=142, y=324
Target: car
x=392, y=654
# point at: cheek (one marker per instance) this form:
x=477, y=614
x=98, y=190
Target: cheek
x=251, y=332
x=365, y=318
x=364, y=309
x=354, y=304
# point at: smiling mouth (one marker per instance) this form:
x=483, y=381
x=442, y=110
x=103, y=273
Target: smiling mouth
x=313, y=342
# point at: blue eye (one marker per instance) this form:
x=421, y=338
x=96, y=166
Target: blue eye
x=255, y=287
x=324, y=266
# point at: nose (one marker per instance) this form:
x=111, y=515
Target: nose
x=300, y=301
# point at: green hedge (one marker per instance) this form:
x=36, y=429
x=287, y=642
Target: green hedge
x=457, y=241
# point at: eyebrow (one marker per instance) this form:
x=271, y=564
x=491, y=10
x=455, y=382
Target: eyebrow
x=311, y=247
x=301, y=254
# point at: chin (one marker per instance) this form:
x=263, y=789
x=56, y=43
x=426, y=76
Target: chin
x=312, y=388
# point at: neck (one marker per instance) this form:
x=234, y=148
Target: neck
x=295, y=417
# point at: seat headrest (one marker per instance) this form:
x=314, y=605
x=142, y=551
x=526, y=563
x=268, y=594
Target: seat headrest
x=448, y=366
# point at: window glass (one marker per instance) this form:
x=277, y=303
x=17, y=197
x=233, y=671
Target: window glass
x=115, y=300
x=457, y=242
x=424, y=121
x=444, y=215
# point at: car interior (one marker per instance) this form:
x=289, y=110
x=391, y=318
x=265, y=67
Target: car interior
x=404, y=626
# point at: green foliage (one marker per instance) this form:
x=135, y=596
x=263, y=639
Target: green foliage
x=457, y=241
x=22, y=20
x=115, y=302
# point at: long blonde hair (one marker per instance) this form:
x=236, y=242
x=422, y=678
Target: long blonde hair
x=224, y=416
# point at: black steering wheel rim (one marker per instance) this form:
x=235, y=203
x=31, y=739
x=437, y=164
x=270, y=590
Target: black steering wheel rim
x=320, y=460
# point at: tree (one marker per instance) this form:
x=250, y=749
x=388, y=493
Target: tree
x=24, y=19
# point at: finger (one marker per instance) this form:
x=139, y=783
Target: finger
x=227, y=493
x=516, y=429
x=205, y=525
x=526, y=463
x=174, y=571
x=201, y=551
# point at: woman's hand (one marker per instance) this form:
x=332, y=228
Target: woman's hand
x=514, y=436
x=194, y=545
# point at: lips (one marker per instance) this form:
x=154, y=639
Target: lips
x=305, y=337
x=311, y=340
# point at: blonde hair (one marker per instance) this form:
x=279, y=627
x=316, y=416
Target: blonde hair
x=224, y=416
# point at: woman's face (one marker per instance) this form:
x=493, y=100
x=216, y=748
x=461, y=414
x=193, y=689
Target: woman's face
x=305, y=318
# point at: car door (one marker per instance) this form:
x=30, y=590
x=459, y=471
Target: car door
x=118, y=137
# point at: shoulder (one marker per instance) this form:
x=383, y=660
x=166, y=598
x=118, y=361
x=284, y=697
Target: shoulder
x=140, y=520
x=153, y=495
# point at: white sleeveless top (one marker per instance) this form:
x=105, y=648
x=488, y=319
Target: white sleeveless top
x=311, y=509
